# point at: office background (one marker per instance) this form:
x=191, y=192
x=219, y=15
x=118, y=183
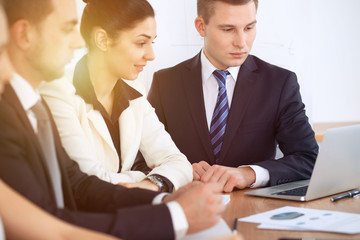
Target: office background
x=317, y=39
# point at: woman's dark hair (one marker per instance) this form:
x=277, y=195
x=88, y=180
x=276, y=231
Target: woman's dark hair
x=113, y=16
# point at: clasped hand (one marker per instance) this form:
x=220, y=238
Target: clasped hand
x=228, y=177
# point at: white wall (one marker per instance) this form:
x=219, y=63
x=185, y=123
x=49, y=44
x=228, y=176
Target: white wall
x=336, y=60
x=317, y=39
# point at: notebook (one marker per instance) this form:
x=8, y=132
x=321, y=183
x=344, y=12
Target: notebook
x=337, y=169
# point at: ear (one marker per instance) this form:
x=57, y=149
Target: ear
x=101, y=39
x=22, y=33
x=200, y=26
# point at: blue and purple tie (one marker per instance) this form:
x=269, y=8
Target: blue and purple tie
x=220, y=115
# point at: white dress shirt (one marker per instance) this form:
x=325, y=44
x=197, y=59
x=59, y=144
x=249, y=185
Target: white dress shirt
x=28, y=98
x=2, y=232
x=210, y=91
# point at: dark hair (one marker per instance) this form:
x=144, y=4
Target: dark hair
x=32, y=10
x=205, y=8
x=113, y=16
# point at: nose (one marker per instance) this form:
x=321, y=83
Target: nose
x=77, y=40
x=240, y=39
x=150, y=55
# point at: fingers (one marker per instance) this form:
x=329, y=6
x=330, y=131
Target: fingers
x=230, y=184
x=199, y=169
x=205, y=165
x=196, y=176
x=216, y=188
x=202, y=205
x=213, y=174
x=226, y=177
x=188, y=186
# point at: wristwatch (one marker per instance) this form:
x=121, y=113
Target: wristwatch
x=157, y=181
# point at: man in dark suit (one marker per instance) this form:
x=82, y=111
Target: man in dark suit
x=257, y=107
x=43, y=37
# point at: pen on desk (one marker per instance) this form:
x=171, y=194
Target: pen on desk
x=346, y=195
x=235, y=226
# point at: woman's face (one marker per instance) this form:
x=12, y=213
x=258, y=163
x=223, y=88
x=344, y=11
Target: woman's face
x=129, y=52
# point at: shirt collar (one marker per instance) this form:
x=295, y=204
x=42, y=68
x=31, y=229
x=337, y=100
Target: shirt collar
x=207, y=69
x=123, y=93
x=26, y=94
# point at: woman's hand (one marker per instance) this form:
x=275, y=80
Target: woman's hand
x=145, y=184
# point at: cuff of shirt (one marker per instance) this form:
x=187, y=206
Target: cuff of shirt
x=262, y=176
x=178, y=217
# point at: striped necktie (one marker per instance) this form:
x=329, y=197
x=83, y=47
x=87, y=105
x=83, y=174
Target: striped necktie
x=220, y=115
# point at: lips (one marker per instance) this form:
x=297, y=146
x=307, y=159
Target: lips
x=140, y=68
x=238, y=55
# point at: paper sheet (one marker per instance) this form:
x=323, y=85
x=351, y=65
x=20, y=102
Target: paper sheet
x=311, y=220
x=226, y=198
x=219, y=230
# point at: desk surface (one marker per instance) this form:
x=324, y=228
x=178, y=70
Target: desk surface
x=242, y=205
x=320, y=128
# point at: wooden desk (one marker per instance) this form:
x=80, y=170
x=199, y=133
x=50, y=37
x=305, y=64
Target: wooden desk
x=320, y=128
x=242, y=205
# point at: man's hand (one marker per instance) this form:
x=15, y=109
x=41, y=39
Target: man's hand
x=202, y=204
x=145, y=184
x=228, y=177
x=199, y=169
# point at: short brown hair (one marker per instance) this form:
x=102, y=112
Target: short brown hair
x=34, y=11
x=205, y=8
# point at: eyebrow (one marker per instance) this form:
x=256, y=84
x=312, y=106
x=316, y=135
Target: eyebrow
x=72, y=22
x=145, y=35
x=232, y=26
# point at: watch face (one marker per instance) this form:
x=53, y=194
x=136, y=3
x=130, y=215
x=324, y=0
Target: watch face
x=158, y=181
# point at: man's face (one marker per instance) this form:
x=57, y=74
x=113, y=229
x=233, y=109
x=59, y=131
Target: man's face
x=229, y=34
x=56, y=38
x=5, y=66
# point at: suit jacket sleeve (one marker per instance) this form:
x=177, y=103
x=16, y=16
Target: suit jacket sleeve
x=89, y=202
x=160, y=151
x=295, y=137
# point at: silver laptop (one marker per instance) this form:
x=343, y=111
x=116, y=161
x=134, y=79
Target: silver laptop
x=337, y=169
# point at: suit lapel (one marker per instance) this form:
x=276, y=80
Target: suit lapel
x=13, y=101
x=243, y=93
x=98, y=123
x=193, y=86
x=11, y=98
x=128, y=135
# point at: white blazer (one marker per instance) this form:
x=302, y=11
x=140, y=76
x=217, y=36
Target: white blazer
x=86, y=138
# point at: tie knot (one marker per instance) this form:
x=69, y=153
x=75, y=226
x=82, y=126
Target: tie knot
x=220, y=76
x=40, y=111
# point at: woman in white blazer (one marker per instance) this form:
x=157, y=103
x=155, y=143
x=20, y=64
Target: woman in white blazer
x=103, y=120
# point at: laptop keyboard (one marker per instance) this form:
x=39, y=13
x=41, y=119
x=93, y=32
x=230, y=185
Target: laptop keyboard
x=300, y=191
